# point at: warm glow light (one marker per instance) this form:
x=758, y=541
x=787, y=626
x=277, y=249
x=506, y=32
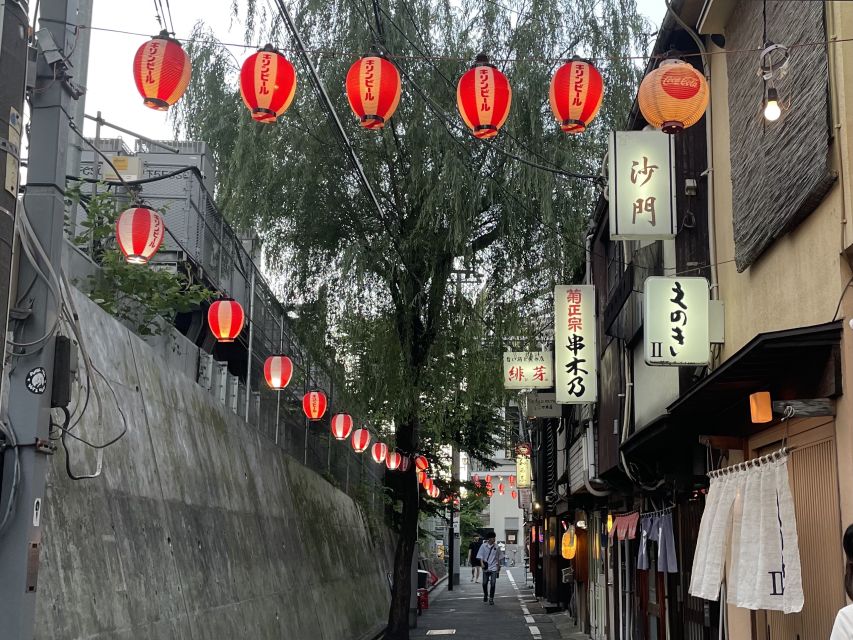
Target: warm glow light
x=761, y=407
x=267, y=84
x=277, y=372
x=772, y=110
x=673, y=97
x=225, y=319
x=421, y=477
x=514, y=494
x=569, y=544
x=360, y=440
x=393, y=460
x=140, y=232
x=379, y=451
x=314, y=404
x=421, y=463
x=483, y=97
x=609, y=523
x=162, y=71
x=341, y=426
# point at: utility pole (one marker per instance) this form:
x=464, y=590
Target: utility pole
x=32, y=380
x=14, y=32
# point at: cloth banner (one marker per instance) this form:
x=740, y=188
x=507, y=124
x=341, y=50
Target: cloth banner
x=626, y=526
x=749, y=518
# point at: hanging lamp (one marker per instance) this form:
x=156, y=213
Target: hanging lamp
x=484, y=97
x=161, y=69
x=139, y=232
x=576, y=94
x=225, y=319
x=267, y=84
x=373, y=90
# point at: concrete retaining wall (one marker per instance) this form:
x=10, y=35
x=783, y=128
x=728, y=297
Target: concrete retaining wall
x=198, y=528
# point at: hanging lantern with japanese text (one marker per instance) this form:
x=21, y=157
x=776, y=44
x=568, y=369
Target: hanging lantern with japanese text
x=267, y=84
x=569, y=546
x=373, y=90
x=314, y=404
x=483, y=97
x=139, y=232
x=161, y=69
x=576, y=94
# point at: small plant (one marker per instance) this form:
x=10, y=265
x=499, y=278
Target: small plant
x=146, y=297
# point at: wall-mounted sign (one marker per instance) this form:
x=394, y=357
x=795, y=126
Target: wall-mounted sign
x=676, y=321
x=522, y=472
x=641, y=167
x=528, y=369
x=543, y=405
x=523, y=449
x=575, y=354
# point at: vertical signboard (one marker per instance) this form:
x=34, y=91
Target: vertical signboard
x=676, y=321
x=575, y=353
x=641, y=171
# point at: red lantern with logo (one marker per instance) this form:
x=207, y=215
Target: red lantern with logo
x=341, y=426
x=314, y=404
x=674, y=96
x=225, y=319
x=267, y=84
x=162, y=71
x=393, y=460
x=576, y=94
x=379, y=451
x=373, y=90
x=360, y=440
x=421, y=463
x=140, y=232
x=483, y=97
x=278, y=370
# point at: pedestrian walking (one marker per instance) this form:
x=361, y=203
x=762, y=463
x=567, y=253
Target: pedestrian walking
x=490, y=555
x=843, y=627
x=473, y=550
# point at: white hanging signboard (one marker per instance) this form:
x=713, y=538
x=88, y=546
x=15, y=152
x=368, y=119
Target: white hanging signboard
x=676, y=321
x=528, y=369
x=543, y=405
x=575, y=353
x=641, y=175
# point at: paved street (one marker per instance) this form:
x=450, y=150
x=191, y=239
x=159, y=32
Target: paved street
x=462, y=614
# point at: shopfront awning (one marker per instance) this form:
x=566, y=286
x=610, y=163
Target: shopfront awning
x=793, y=364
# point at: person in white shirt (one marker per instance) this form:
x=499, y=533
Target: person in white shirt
x=491, y=556
x=843, y=627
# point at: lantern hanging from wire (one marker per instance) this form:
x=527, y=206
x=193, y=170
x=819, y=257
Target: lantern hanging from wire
x=341, y=426
x=513, y=494
x=139, y=232
x=488, y=480
x=360, y=440
x=393, y=460
x=576, y=94
x=490, y=493
x=421, y=477
x=267, y=84
x=314, y=404
x=428, y=483
x=483, y=96
x=379, y=451
x=278, y=370
x=674, y=96
x=475, y=478
x=488, y=485
x=373, y=90
x=161, y=69
x=421, y=463
x=456, y=502
x=225, y=319
x=512, y=481
x=501, y=488
x=569, y=543
x=434, y=492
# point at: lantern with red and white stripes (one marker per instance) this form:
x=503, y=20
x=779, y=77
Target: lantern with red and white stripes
x=512, y=481
x=379, y=451
x=393, y=460
x=576, y=94
x=434, y=492
x=373, y=90
x=421, y=463
x=314, y=404
x=341, y=426
x=428, y=484
x=483, y=97
x=277, y=372
x=488, y=480
x=421, y=477
x=360, y=440
x=225, y=319
x=501, y=488
x=267, y=84
x=162, y=71
x=140, y=232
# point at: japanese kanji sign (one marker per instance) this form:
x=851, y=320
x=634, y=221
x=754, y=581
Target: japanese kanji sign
x=522, y=472
x=677, y=321
x=575, y=353
x=641, y=186
x=543, y=405
x=528, y=369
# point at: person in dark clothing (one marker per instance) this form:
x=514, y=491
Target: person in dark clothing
x=473, y=550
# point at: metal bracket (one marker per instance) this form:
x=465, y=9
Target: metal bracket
x=11, y=149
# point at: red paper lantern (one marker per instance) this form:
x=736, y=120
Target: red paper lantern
x=456, y=502
x=488, y=485
x=490, y=493
x=576, y=93
x=512, y=481
x=314, y=404
x=162, y=71
x=488, y=480
x=514, y=494
x=501, y=488
x=140, y=232
x=379, y=451
x=393, y=460
x=674, y=96
x=360, y=440
x=483, y=97
x=277, y=372
x=434, y=492
x=421, y=477
x=421, y=463
x=428, y=483
x=225, y=319
x=267, y=84
x=341, y=426
x=373, y=90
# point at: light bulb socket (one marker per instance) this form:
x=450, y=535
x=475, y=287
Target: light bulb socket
x=772, y=95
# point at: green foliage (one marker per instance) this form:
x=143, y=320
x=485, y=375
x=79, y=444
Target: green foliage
x=146, y=297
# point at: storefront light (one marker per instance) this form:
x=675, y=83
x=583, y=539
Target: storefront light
x=761, y=407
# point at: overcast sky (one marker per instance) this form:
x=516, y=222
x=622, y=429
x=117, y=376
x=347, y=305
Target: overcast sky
x=110, y=87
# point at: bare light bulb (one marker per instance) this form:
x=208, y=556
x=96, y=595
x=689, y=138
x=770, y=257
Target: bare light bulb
x=772, y=110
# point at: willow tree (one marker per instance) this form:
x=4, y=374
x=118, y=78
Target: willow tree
x=421, y=346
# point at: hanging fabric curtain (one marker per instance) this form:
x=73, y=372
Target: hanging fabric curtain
x=749, y=518
x=626, y=526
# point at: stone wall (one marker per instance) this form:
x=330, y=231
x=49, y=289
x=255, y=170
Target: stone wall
x=198, y=527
